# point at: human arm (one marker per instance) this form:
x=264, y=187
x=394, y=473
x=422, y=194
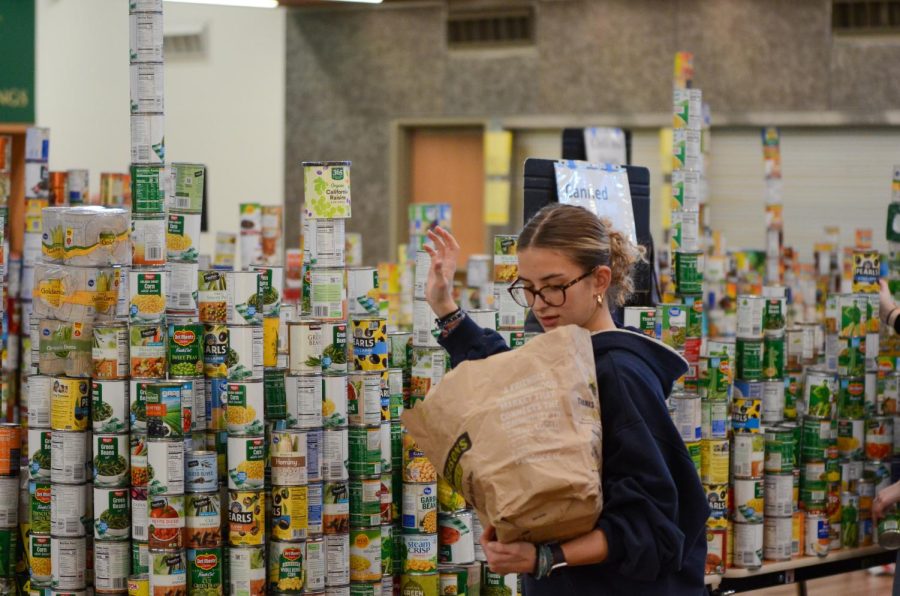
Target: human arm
x=462, y=338
x=887, y=308
x=521, y=557
x=884, y=500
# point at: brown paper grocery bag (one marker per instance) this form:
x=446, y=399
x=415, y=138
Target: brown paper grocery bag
x=518, y=435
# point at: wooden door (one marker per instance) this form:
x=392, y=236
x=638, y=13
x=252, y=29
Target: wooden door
x=446, y=165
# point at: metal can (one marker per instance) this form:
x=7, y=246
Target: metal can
x=337, y=554
x=39, y=498
x=714, y=462
x=109, y=353
x=148, y=289
x=749, y=497
x=370, y=345
x=849, y=513
x=335, y=401
x=246, y=518
x=39, y=446
x=246, y=462
x=773, y=401
x=749, y=363
x=139, y=585
x=148, y=240
x=364, y=444
x=457, y=545
x=745, y=415
x=286, y=564
x=68, y=515
x=336, y=508
x=429, y=584
x=773, y=355
x=688, y=416
x=816, y=437
x=851, y=397
x=416, y=467
x=203, y=520
x=274, y=390
x=38, y=551
x=364, y=398
x=68, y=562
x=315, y=460
x=315, y=523
x=305, y=403
x=168, y=415
x=70, y=401
x=246, y=406
x=387, y=454
x=335, y=455
x=168, y=572
x=779, y=495
x=182, y=288
x=365, y=554
x=818, y=537
x=879, y=437
x=851, y=438
x=421, y=553
x=68, y=457
x=165, y=460
x=289, y=512
x=778, y=538
x=201, y=471
x=229, y=297
x=780, y=446
x=137, y=397
x=328, y=294
x=288, y=457
x=111, y=460
x=182, y=236
x=140, y=514
x=147, y=350
x=246, y=570
x=39, y=388
x=185, y=349
x=314, y=565
x=109, y=411
x=140, y=559
x=365, y=501
x=140, y=473
x=305, y=349
x=205, y=570
x=748, y=460
x=387, y=549
x=889, y=530
x=420, y=508
x=166, y=519
x=113, y=509
x=748, y=545
x=750, y=316
x=428, y=366
x=400, y=349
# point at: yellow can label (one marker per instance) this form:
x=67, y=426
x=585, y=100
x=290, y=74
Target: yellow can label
x=290, y=512
x=270, y=342
x=370, y=345
x=139, y=586
x=70, y=403
x=246, y=518
x=714, y=461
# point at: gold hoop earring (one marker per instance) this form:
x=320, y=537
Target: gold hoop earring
x=600, y=299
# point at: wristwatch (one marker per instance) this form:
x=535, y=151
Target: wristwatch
x=558, y=558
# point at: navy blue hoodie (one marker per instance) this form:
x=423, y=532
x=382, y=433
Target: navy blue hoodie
x=654, y=508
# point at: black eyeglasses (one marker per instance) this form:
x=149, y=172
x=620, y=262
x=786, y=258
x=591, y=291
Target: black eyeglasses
x=551, y=295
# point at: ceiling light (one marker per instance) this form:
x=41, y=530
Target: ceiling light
x=245, y=3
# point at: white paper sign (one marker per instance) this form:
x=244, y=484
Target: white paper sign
x=605, y=145
x=602, y=189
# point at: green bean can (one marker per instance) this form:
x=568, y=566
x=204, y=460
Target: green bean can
x=140, y=557
x=773, y=355
x=816, y=438
x=420, y=584
x=274, y=393
x=185, y=348
x=780, y=447
x=749, y=359
x=849, y=520
x=689, y=272
x=205, y=570
x=400, y=349
x=851, y=402
x=365, y=450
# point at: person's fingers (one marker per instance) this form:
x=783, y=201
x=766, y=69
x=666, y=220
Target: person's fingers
x=431, y=252
x=448, y=238
x=439, y=243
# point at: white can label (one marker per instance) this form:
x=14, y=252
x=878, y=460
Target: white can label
x=337, y=554
x=328, y=295
x=69, y=457
x=68, y=562
x=111, y=568
x=166, y=467
x=68, y=513
x=304, y=401
x=182, y=286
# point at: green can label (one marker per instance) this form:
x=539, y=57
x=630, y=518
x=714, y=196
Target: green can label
x=387, y=549
x=689, y=272
x=780, y=448
x=793, y=393
x=696, y=452
x=40, y=507
x=749, y=359
x=400, y=349
x=365, y=450
x=424, y=584
x=274, y=393
x=205, y=571
x=774, y=312
x=140, y=558
x=286, y=567
x=773, y=356
x=851, y=397
x=186, y=350
x=147, y=189
x=189, y=186
x=8, y=542
x=852, y=357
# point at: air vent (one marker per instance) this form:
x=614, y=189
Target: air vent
x=490, y=29
x=864, y=17
x=185, y=41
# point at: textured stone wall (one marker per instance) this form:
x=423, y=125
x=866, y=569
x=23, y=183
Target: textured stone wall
x=351, y=72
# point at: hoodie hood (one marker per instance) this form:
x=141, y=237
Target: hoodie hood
x=667, y=364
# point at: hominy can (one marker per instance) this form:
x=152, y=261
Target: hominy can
x=290, y=513
x=109, y=353
x=314, y=569
x=336, y=508
x=779, y=495
x=748, y=455
x=70, y=401
x=305, y=403
x=364, y=444
x=420, y=508
x=334, y=401
x=168, y=572
x=246, y=518
x=68, y=562
x=68, y=457
x=714, y=462
x=335, y=454
x=288, y=457
x=246, y=571
x=365, y=501
x=165, y=459
x=688, y=416
x=246, y=462
x=203, y=520
x=364, y=398
x=109, y=410
x=337, y=556
x=286, y=566
x=778, y=538
x=818, y=537
x=201, y=471
x=68, y=514
x=111, y=460
x=245, y=408
x=370, y=345
x=748, y=545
